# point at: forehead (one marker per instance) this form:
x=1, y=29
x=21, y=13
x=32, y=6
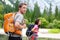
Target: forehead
x=24, y=5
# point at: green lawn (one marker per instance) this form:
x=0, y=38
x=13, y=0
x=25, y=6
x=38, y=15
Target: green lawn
x=2, y=37
x=55, y=31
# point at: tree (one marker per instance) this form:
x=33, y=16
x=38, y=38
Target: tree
x=16, y=6
x=45, y=13
x=36, y=13
x=1, y=7
x=50, y=13
x=56, y=12
x=44, y=23
x=3, y=2
x=1, y=15
x=12, y=1
x=59, y=15
x=7, y=9
x=28, y=15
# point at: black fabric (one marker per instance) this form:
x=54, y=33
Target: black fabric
x=29, y=32
x=14, y=38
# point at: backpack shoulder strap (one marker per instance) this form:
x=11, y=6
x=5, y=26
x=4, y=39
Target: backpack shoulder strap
x=14, y=13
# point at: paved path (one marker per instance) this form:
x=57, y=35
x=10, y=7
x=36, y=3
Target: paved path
x=43, y=33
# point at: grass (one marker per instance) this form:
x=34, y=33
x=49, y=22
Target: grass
x=3, y=37
x=54, y=31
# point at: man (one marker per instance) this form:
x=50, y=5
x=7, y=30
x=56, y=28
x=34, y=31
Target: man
x=19, y=24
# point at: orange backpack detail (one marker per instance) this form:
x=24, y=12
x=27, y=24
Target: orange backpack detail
x=9, y=24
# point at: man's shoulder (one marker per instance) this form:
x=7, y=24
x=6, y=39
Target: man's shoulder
x=19, y=14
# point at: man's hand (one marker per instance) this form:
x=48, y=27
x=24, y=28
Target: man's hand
x=19, y=26
x=24, y=25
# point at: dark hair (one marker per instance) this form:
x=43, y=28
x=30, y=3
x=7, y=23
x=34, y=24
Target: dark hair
x=21, y=4
x=36, y=21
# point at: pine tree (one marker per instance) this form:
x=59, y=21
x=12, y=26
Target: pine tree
x=16, y=6
x=56, y=12
x=1, y=7
x=59, y=15
x=36, y=13
x=50, y=13
x=45, y=13
x=28, y=15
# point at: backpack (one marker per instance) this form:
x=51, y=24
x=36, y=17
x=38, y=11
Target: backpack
x=9, y=24
x=29, y=32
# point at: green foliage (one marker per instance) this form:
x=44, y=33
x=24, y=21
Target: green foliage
x=44, y=22
x=1, y=23
x=45, y=14
x=16, y=6
x=50, y=13
x=36, y=13
x=1, y=20
x=27, y=22
x=7, y=9
x=56, y=24
x=1, y=7
x=54, y=31
x=12, y=1
x=28, y=15
x=49, y=19
x=50, y=25
x=1, y=16
x=56, y=12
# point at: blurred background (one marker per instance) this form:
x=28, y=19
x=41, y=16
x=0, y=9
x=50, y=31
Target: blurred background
x=46, y=10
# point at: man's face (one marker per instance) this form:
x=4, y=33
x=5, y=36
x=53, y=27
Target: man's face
x=23, y=9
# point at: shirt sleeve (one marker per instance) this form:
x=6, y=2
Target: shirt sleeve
x=19, y=18
x=35, y=26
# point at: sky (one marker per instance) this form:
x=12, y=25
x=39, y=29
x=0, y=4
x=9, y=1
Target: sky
x=41, y=3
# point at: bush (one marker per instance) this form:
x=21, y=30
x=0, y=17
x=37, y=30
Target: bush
x=56, y=24
x=0, y=24
x=1, y=17
x=50, y=25
x=44, y=22
x=54, y=31
x=1, y=8
x=27, y=22
x=1, y=20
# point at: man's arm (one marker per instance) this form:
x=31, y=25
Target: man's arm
x=19, y=26
x=19, y=21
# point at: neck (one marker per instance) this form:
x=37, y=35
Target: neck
x=20, y=12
